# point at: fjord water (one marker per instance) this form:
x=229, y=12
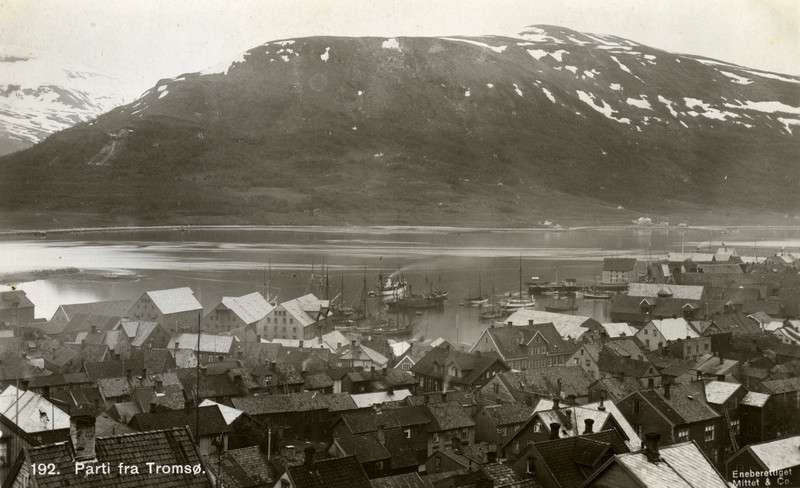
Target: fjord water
x=218, y=262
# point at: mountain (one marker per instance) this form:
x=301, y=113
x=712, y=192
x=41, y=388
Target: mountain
x=40, y=95
x=547, y=124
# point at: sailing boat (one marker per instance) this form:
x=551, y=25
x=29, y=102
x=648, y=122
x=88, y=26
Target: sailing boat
x=478, y=300
x=519, y=302
x=496, y=312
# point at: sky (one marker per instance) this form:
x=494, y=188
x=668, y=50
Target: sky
x=142, y=41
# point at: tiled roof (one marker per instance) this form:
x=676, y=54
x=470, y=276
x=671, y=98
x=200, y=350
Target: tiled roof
x=211, y=421
x=270, y=404
x=345, y=472
x=684, y=406
x=163, y=448
x=612, y=364
x=82, y=322
x=778, y=454
x=36, y=413
x=408, y=480
x=509, y=413
x=618, y=387
x=567, y=458
x=619, y=264
x=782, y=386
x=175, y=300
x=241, y=468
x=626, y=347
x=502, y=476
x=568, y=326
x=316, y=381
x=686, y=292
x=228, y=413
x=718, y=392
x=447, y=416
x=143, y=332
x=574, y=381
x=257, y=353
x=390, y=418
x=250, y=308
x=365, y=447
x=211, y=385
x=754, y=399
x=400, y=448
x=715, y=365
x=682, y=466
x=514, y=341
x=465, y=398
x=472, y=366
x=111, y=308
x=736, y=323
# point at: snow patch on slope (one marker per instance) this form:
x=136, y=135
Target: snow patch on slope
x=604, y=109
x=641, y=102
x=497, y=49
x=391, y=44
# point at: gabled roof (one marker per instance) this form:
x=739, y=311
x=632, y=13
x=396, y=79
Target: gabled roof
x=619, y=329
x=568, y=326
x=363, y=400
x=686, y=292
x=241, y=468
x=175, y=300
x=250, y=308
x=390, y=418
x=447, y=416
x=754, y=399
x=544, y=381
x=472, y=366
x=365, y=447
x=509, y=413
x=408, y=480
x=345, y=472
x=782, y=386
x=618, y=387
x=211, y=421
x=10, y=300
x=736, y=323
x=686, y=403
x=111, y=308
x=718, y=392
x=163, y=448
x=229, y=414
x=682, y=466
x=502, y=476
x=36, y=413
x=141, y=332
x=618, y=365
x=710, y=364
x=778, y=454
x=675, y=329
x=567, y=458
x=514, y=341
x=211, y=385
x=400, y=448
x=272, y=404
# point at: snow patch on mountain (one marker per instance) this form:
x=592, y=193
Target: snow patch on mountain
x=741, y=80
x=549, y=95
x=709, y=112
x=668, y=103
x=516, y=89
x=391, y=44
x=788, y=123
x=604, y=109
x=766, y=107
x=324, y=56
x=639, y=102
x=497, y=49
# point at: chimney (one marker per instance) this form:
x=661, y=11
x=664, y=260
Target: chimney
x=510, y=323
x=81, y=432
x=555, y=430
x=666, y=390
x=556, y=403
x=457, y=445
x=651, y=446
x=390, y=390
x=353, y=343
x=128, y=374
x=381, y=434
x=699, y=375
x=571, y=399
x=308, y=461
x=377, y=408
x=530, y=322
x=258, y=338
x=160, y=386
x=491, y=456
x=176, y=345
x=94, y=329
x=589, y=423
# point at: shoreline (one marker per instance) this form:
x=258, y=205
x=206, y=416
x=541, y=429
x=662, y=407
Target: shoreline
x=416, y=229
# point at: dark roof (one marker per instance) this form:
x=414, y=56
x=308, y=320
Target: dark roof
x=617, y=387
x=514, y=341
x=398, y=378
x=271, y=404
x=211, y=385
x=568, y=458
x=167, y=447
x=465, y=398
x=85, y=352
x=13, y=299
x=211, y=421
x=82, y=322
x=365, y=447
x=447, y=416
x=544, y=381
x=782, y=386
x=686, y=403
x=473, y=366
x=112, y=308
x=58, y=380
x=241, y=468
x=157, y=360
x=408, y=480
x=345, y=472
x=256, y=353
x=619, y=264
x=736, y=323
x=502, y=476
x=617, y=365
x=509, y=413
x=390, y=418
x=400, y=448
x=315, y=381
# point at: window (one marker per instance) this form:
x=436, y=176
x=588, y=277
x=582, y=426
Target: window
x=638, y=429
x=463, y=435
x=435, y=437
x=530, y=467
x=405, y=367
x=636, y=406
x=709, y=433
x=503, y=431
x=537, y=426
x=496, y=388
x=683, y=435
x=516, y=447
x=407, y=432
x=735, y=426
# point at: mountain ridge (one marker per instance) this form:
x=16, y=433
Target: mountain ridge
x=443, y=129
